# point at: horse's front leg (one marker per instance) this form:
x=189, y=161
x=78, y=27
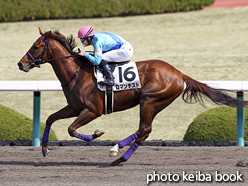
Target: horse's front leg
x=84, y=118
x=66, y=112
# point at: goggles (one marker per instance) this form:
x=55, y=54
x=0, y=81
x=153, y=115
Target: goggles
x=83, y=39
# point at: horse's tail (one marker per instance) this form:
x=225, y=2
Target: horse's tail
x=196, y=91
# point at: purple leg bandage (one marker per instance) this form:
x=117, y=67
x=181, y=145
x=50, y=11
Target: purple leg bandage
x=46, y=134
x=129, y=152
x=88, y=138
x=127, y=140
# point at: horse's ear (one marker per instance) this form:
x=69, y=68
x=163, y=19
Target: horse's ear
x=41, y=33
x=47, y=35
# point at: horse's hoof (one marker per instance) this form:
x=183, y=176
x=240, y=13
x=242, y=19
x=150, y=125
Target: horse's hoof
x=99, y=132
x=114, y=151
x=45, y=152
x=113, y=164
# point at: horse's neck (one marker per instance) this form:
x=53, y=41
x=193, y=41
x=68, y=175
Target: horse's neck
x=63, y=68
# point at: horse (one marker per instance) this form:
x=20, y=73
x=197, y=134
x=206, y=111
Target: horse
x=161, y=84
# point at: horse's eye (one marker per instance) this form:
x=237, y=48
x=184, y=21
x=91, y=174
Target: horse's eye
x=35, y=47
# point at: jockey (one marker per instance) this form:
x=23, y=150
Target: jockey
x=108, y=47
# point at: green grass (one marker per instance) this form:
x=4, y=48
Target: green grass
x=20, y=10
x=206, y=45
x=215, y=125
x=16, y=126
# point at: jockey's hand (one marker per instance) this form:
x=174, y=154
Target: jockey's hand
x=81, y=53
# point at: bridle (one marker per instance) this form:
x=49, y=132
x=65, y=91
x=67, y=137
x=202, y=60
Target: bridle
x=37, y=62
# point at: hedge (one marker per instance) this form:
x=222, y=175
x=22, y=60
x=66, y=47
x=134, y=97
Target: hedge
x=216, y=124
x=15, y=126
x=26, y=10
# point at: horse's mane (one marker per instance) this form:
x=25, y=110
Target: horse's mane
x=68, y=43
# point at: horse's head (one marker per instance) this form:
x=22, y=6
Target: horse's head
x=36, y=53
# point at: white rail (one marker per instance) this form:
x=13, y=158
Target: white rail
x=56, y=86
x=38, y=86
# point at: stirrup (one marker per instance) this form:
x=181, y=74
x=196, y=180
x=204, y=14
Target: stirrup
x=99, y=132
x=107, y=82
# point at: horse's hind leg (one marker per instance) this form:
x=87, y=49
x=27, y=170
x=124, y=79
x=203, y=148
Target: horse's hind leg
x=147, y=113
x=148, y=110
x=115, y=149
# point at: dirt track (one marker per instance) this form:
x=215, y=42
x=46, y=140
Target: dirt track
x=88, y=165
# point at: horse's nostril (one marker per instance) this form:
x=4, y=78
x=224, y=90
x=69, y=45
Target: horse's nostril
x=20, y=65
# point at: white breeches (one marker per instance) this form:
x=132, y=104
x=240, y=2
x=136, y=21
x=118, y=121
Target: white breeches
x=121, y=54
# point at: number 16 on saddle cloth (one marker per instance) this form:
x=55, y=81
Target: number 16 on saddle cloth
x=126, y=77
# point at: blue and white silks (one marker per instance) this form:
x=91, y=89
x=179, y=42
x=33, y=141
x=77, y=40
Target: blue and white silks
x=104, y=42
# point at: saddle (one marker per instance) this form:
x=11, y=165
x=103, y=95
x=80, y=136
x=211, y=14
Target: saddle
x=126, y=77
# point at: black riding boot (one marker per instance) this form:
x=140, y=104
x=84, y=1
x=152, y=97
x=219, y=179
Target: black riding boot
x=107, y=72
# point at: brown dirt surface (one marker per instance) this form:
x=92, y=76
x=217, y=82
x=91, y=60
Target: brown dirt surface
x=88, y=165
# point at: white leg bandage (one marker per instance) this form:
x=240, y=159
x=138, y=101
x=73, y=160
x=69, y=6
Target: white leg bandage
x=114, y=150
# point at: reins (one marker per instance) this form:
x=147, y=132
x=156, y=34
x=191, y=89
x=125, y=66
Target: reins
x=63, y=86
x=50, y=60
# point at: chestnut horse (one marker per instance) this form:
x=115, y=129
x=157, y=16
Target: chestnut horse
x=161, y=84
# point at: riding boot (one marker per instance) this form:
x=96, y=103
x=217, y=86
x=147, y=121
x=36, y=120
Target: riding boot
x=107, y=72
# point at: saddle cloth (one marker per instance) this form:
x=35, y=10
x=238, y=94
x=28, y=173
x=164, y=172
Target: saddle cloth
x=125, y=74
